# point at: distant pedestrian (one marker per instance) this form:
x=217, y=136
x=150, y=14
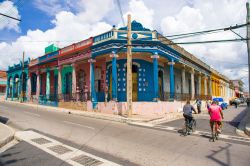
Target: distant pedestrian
x=248, y=102
x=208, y=103
x=198, y=102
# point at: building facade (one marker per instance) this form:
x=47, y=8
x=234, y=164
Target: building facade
x=3, y=83
x=91, y=75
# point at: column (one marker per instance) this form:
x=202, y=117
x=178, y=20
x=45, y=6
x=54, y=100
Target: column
x=92, y=82
x=13, y=88
x=183, y=76
x=155, y=71
x=205, y=85
x=210, y=86
x=172, y=90
x=74, y=79
x=48, y=83
x=59, y=91
x=199, y=84
x=7, y=88
x=29, y=87
x=37, y=85
x=114, y=57
x=192, y=83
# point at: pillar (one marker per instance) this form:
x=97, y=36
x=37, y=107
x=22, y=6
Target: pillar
x=114, y=76
x=13, y=88
x=199, y=84
x=29, y=87
x=205, y=85
x=183, y=76
x=172, y=90
x=7, y=88
x=74, y=79
x=37, y=85
x=92, y=82
x=155, y=73
x=59, y=91
x=48, y=83
x=192, y=83
x=210, y=86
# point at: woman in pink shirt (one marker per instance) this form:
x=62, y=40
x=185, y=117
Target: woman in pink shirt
x=216, y=115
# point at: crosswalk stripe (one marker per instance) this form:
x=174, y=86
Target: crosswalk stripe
x=61, y=151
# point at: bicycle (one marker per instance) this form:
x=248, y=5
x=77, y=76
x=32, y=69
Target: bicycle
x=215, y=133
x=189, y=126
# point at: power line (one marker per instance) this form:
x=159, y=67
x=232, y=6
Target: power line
x=182, y=35
x=205, y=42
x=11, y=10
x=10, y=17
x=121, y=13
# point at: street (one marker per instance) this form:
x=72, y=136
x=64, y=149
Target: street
x=121, y=143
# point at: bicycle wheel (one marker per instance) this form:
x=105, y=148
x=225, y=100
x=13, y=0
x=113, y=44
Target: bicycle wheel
x=194, y=125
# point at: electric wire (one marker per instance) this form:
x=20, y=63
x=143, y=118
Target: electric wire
x=120, y=10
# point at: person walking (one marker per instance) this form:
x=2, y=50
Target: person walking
x=198, y=103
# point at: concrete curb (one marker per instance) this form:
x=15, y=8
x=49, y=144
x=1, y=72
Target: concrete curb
x=244, y=126
x=5, y=139
x=96, y=115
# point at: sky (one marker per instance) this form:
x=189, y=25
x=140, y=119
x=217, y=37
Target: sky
x=63, y=22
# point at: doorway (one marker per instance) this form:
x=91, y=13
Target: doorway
x=134, y=83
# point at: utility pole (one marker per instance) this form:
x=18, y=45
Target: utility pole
x=248, y=44
x=22, y=92
x=129, y=68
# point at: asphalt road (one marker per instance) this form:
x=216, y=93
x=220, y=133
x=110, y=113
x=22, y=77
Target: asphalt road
x=126, y=144
x=232, y=118
x=26, y=154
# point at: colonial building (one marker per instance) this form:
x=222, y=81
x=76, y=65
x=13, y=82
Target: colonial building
x=91, y=74
x=3, y=83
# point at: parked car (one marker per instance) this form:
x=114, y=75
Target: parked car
x=221, y=102
x=242, y=100
x=235, y=101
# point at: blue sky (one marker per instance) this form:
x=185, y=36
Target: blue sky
x=74, y=20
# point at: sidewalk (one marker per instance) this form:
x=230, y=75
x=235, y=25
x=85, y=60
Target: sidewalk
x=111, y=117
x=244, y=126
x=7, y=134
x=146, y=119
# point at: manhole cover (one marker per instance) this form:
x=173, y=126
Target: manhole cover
x=40, y=141
x=59, y=149
x=86, y=160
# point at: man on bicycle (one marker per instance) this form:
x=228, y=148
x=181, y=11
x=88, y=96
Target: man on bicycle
x=216, y=115
x=187, y=112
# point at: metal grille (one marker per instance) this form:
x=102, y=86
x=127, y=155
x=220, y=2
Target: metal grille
x=59, y=149
x=86, y=160
x=40, y=141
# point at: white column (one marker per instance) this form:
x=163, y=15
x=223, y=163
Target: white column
x=183, y=75
x=192, y=83
x=74, y=78
x=205, y=85
x=199, y=84
x=37, y=84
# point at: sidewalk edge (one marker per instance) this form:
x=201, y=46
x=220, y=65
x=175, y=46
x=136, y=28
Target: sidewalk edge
x=8, y=138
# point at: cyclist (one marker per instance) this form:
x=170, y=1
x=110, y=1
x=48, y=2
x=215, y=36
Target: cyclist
x=216, y=115
x=187, y=112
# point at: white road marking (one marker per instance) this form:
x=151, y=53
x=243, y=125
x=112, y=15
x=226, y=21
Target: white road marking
x=77, y=124
x=33, y=114
x=68, y=157
x=200, y=133
x=8, y=145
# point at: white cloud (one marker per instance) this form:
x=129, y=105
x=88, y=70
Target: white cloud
x=8, y=8
x=69, y=28
x=211, y=14
x=141, y=13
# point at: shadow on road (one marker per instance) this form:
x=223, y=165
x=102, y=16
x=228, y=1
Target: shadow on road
x=216, y=156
